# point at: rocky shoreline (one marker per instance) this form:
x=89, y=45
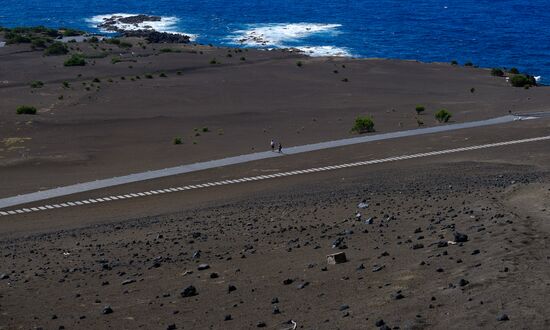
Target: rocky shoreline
x=112, y=24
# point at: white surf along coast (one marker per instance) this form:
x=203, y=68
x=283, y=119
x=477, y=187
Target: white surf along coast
x=166, y=24
x=290, y=35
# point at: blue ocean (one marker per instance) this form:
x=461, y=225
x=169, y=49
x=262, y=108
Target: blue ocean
x=489, y=33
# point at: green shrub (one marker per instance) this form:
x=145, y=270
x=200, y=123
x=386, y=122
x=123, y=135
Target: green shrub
x=38, y=43
x=149, y=76
x=213, y=61
x=16, y=38
x=514, y=71
x=468, y=64
x=205, y=129
x=75, y=60
x=522, y=80
x=37, y=84
x=443, y=116
x=243, y=58
x=57, y=48
x=124, y=44
x=419, y=109
x=166, y=50
x=66, y=84
x=454, y=62
x=72, y=32
x=113, y=41
x=178, y=140
x=96, y=80
x=299, y=64
x=363, y=125
x=497, y=72
x=472, y=90
x=345, y=80
x=26, y=110
x=93, y=40
x=162, y=75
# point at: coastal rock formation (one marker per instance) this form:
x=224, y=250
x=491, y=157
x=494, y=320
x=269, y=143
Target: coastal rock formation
x=120, y=24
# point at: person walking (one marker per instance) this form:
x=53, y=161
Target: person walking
x=272, y=145
x=280, y=148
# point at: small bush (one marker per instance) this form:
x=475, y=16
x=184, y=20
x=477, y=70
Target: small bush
x=66, y=84
x=115, y=60
x=229, y=55
x=243, y=58
x=299, y=64
x=205, y=129
x=178, y=140
x=38, y=43
x=497, y=72
x=75, y=60
x=162, y=75
x=345, y=80
x=514, y=71
x=419, y=109
x=57, y=48
x=454, y=62
x=468, y=64
x=149, y=76
x=213, y=61
x=363, y=125
x=37, y=84
x=124, y=44
x=443, y=116
x=166, y=50
x=72, y=32
x=96, y=80
x=26, y=110
x=93, y=40
x=522, y=80
x=113, y=41
x=472, y=90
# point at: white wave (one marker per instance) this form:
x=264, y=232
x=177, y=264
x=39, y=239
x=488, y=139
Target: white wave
x=324, y=51
x=286, y=35
x=278, y=34
x=166, y=24
x=538, y=78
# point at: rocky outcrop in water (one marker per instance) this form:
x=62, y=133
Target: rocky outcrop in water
x=116, y=23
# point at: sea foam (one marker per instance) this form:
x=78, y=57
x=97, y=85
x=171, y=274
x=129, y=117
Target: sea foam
x=166, y=24
x=289, y=35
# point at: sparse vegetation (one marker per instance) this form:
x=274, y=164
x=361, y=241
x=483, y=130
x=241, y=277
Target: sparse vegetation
x=454, y=62
x=363, y=124
x=514, y=71
x=468, y=64
x=299, y=64
x=162, y=75
x=57, y=48
x=26, y=110
x=166, y=50
x=149, y=76
x=75, y=60
x=497, y=72
x=472, y=90
x=96, y=80
x=214, y=61
x=443, y=116
x=419, y=109
x=243, y=58
x=37, y=84
x=178, y=140
x=66, y=84
x=205, y=129
x=345, y=80
x=523, y=80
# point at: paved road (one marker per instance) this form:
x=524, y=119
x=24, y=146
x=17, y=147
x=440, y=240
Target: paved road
x=120, y=180
x=262, y=177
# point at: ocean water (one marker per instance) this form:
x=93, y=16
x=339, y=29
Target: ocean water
x=489, y=33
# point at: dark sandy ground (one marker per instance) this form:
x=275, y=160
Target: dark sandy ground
x=255, y=253
x=114, y=127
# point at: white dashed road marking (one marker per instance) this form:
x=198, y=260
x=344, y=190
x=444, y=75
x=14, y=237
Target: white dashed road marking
x=265, y=177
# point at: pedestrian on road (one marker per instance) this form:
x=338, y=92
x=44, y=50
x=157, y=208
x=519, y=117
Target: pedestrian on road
x=272, y=145
x=280, y=148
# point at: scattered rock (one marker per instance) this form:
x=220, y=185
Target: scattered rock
x=502, y=317
x=460, y=238
x=189, y=292
x=336, y=258
x=107, y=310
x=203, y=267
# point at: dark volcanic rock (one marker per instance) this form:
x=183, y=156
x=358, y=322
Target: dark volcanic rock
x=502, y=317
x=158, y=37
x=459, y=237
x=107, y=310
x=189, y=291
